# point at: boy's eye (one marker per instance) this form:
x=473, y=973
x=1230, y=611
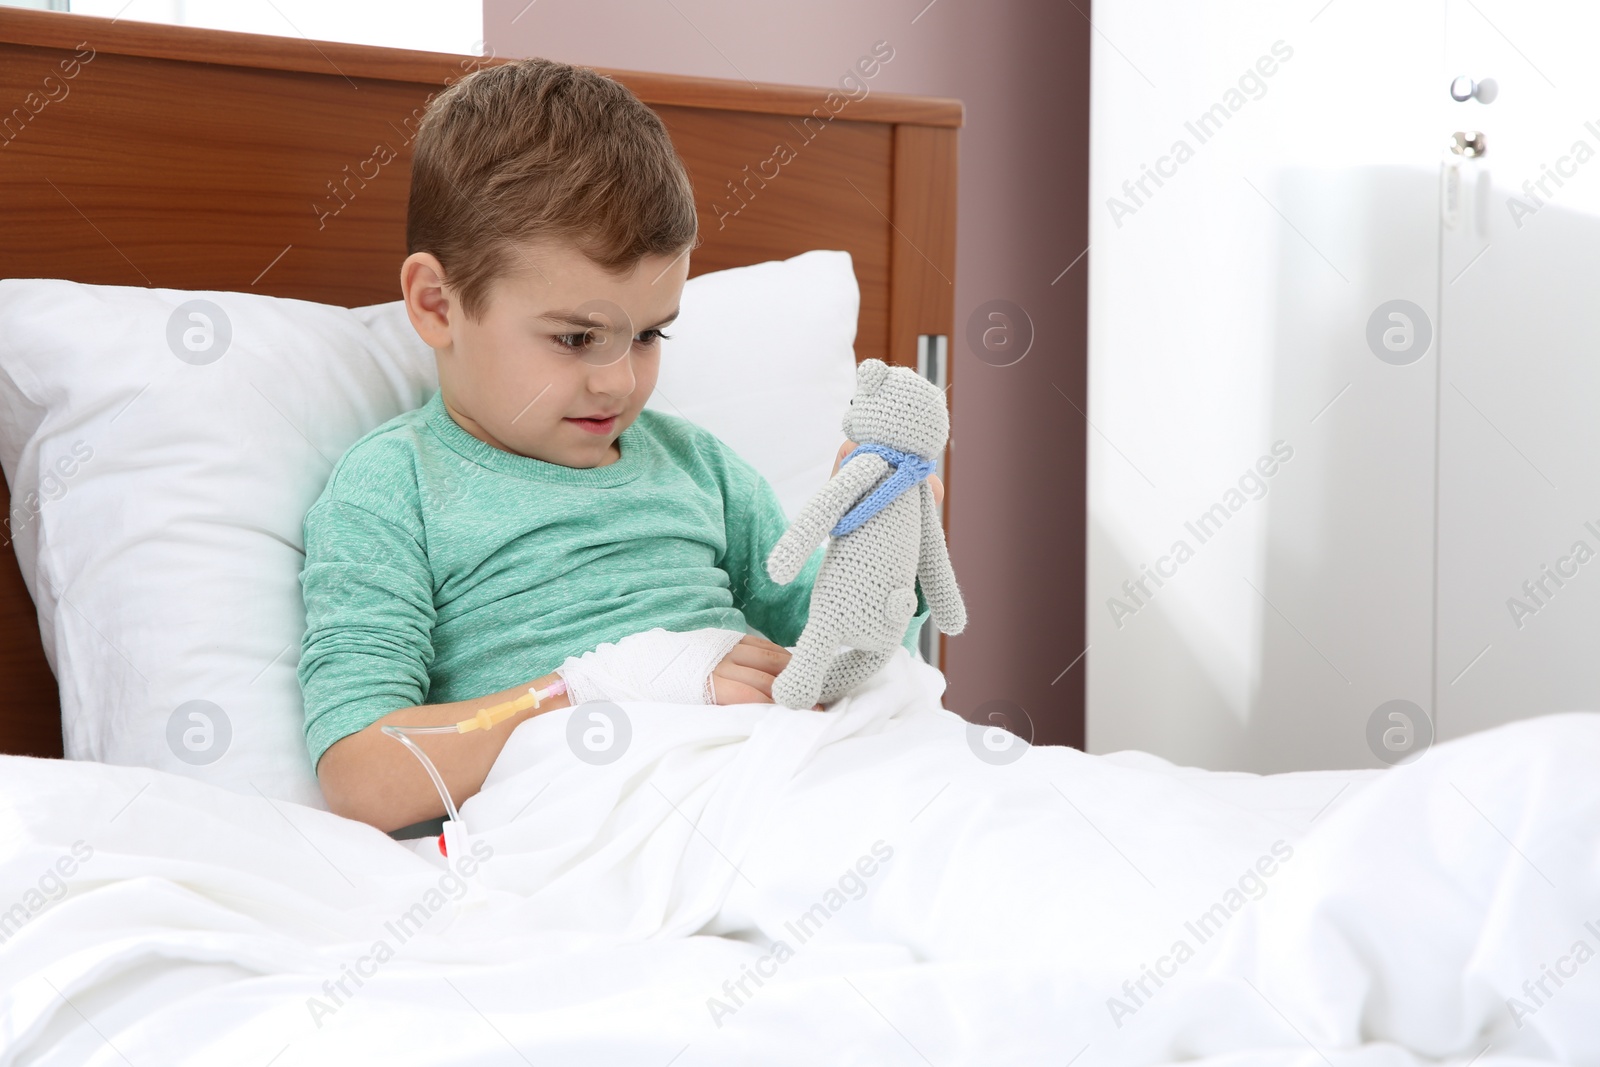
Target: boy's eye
x=573, y=342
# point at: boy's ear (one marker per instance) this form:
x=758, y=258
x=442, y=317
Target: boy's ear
x=870, y=374
x=428, y=305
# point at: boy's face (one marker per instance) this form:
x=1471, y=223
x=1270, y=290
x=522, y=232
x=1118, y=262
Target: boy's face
x=560, y=346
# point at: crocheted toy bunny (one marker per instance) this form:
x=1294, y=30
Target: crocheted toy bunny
x=886, y=534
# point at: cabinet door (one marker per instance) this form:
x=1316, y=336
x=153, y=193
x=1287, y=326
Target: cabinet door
x=1229, y=321
x=1519, y=414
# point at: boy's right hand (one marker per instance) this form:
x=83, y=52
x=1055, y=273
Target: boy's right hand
x=745, y=675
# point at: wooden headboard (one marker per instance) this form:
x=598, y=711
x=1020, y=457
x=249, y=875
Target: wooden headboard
x=170, y=157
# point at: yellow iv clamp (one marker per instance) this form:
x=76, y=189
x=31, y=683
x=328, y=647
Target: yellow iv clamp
x=485, y=719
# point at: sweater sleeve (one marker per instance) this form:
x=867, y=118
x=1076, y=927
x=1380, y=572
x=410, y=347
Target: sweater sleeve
x=369, y=622
x=755, y=521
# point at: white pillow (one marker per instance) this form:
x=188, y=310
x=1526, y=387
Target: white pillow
x=763, y=357
x=162, y=448
x=162, y=501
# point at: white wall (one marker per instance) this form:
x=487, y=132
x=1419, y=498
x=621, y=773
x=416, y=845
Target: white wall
x=427, y=25
x=1520, y=384
x=1228, y=312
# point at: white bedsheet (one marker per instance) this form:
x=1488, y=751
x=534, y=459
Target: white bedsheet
x=900, y=900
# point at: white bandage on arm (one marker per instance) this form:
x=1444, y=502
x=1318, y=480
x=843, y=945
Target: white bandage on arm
x=657, y=665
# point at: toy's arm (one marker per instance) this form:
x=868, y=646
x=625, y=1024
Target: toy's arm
x=933, y=568
x=822, y=514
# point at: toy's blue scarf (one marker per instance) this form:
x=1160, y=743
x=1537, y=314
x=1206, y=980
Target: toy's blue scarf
x=910, y=469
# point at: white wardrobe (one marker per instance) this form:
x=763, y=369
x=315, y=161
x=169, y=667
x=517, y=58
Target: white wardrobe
x=1344, y=376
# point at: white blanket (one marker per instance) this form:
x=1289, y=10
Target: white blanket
x=755, y=884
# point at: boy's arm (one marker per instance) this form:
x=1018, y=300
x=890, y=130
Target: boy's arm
x=753, y=521
x=370, y=777
x=364, y=663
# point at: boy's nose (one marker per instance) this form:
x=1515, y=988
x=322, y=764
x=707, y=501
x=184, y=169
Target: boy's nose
x=615, y=378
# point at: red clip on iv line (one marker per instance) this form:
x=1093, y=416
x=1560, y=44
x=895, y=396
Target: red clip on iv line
x=485, y=719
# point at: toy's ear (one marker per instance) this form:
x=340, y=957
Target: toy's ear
x=870, y=374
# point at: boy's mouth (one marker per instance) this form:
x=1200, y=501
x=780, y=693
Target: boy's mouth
x=595, y=425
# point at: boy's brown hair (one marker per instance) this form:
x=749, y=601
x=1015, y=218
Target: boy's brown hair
x=537, y=149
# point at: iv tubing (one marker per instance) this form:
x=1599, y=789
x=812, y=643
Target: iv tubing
x=485, y=719
x=399, y=734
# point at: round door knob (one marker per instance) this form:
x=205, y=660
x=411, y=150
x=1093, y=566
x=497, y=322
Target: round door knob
x=1464, y=88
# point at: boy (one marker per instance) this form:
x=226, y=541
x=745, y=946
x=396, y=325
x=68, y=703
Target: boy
x=532, y=509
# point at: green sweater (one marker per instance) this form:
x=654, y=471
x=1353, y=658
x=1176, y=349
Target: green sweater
x=440, y=568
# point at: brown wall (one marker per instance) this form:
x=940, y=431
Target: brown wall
x=1017, y=440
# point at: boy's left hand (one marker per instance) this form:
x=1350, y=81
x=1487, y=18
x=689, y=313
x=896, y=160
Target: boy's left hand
x=933, y=479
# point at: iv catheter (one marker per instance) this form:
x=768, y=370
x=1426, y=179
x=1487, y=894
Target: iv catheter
x=486, y=719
